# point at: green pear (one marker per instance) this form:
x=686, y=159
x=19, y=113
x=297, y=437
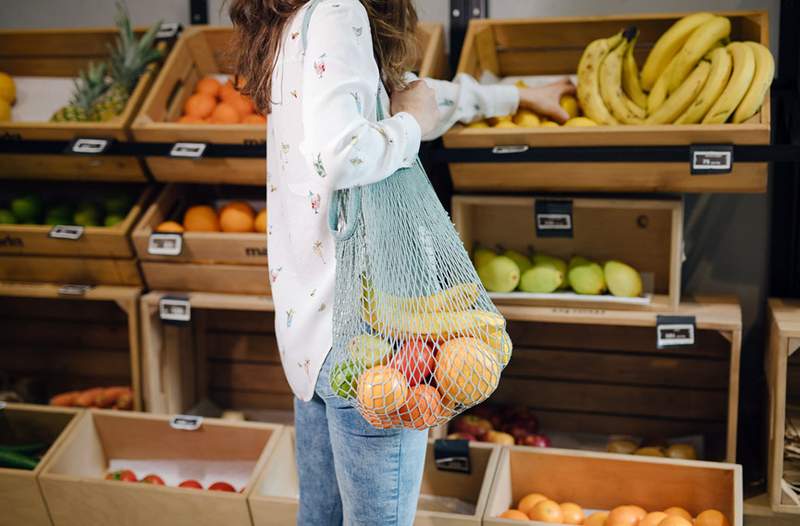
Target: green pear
x=520, y=259
x=586, y=277
x=85, y=218
x=500, y=274
x=577, y=260
x=623, y=280
x=27, y=209
x=543, y=278
x=482, y=256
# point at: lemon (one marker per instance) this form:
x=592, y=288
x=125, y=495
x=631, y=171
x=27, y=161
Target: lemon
x=8, y=91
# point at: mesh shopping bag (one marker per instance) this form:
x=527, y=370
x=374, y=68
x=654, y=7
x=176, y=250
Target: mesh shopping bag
x=416, y=339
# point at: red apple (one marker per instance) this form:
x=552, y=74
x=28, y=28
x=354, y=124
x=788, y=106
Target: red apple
x=472, y=425
x=153, y=479
x=415, y=360
x=490, y=413
x=222, y=486
x=537, y=441
x=498, y=437
x=522, y=417
x=192, y=484
x=461, y=436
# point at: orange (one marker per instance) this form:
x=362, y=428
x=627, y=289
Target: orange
x=260, y=223
x=653, y=518
x=199, y=105
x=679, y=512
x=383, y=421
x=573, y=514
x=422, y=408
x=382, y=390
x=254, y=118
x=242, y=104
x=170, y=226
x=227, y=91
x=597, y=518
x=625, y=516
x=242, y=206
x=675, y=520
x=467, y=371
x=225, y=113
x=530, y=500
x=711, y=518
x=639, y=511
x=513, y=514
x=201, y=218
x=190, y=119
x=209, y=86
x=546, y=511
x=233, y=219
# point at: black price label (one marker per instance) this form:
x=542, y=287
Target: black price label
x=165, y=244
x=186, y=422
x=72, y=289
x=176, y=310
x=89, y=146
x=71, y=232
x=675, y=331
x=452, y=455
x=188, y=150
x=710, y=160
x=553, y=218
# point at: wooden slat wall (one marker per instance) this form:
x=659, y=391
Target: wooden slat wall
x=56, y=345
x=613, y=380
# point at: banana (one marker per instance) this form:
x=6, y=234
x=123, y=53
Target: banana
x=635, y=110
x=444, y=325
x=667, y=46
x=721, y=64
x=611, y=85
x=762, y=78
x=459, y=297
x=658, y=94
x=589, y=79
x=700, y=42
x=630, y=77
x=744, y=67
x=682, y=97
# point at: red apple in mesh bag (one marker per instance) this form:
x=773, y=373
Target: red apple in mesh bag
x=472, y=425
x=415, y=360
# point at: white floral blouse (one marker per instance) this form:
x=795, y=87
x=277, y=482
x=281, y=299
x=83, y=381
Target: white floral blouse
x=323, y=135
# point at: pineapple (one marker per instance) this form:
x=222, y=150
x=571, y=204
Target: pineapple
x=88, y=87
x=129, y=58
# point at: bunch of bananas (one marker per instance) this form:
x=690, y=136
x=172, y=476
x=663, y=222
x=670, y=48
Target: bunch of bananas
x=692, y=75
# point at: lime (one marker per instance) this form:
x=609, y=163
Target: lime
x=27, y=209
x=344, y=376
x=113, y=219
x=117, y=204
x=6, y=217
x=86, y=218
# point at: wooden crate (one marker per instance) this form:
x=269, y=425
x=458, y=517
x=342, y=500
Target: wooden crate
x=602, y=481
x=205, y=51
x=63, y=53
x=542, y=46
x=55, y=343
x=757, y=512
x=783, y=378
x=210, y=261
x=599, y=371
x=77, y=495
x=20, y=496
x=102, y=255
x=226, y=353
x=274, y=499
x=645, y=233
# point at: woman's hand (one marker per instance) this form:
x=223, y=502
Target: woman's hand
x=420, y=101
x=544, y=100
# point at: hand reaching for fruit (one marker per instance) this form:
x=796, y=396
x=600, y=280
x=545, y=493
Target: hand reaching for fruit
x=544, y=100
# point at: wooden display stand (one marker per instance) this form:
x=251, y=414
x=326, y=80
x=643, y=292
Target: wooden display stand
x=600, y=371
x=63, y=53
x=274, y=500
x=100, y=256
x=20, y=497
x=541, y=46
x=76, y=493
x=222, y=262
x=89, y=340
x=783, y=378
x=645, y=233
x=603, y=481
x=757, y=512
x=227, y=352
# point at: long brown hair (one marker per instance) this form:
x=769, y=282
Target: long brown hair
x=259, y=27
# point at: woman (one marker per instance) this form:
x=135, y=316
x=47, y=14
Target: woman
x=319, y=68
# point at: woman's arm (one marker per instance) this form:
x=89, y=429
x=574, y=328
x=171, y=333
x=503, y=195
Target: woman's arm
x=340, y=78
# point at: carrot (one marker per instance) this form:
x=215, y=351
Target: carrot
x=65, y=399
x=125, y=400
x=88, y=397
x=110, y=395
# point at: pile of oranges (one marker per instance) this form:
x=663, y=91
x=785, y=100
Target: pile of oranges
x=537, y=507
x=236, y=216
x=215, y=103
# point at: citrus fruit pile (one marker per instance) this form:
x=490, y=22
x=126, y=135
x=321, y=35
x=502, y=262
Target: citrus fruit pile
x=215, y=103
x=108, y=209
x=236, y=216
x=537, y=507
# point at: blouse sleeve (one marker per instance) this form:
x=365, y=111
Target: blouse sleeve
x=340, y=83
x=465, y=100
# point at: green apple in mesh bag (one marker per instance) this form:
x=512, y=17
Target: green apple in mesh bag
x=368, y=350
x=344, y=379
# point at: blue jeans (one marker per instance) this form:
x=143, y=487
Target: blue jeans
x=350, y=472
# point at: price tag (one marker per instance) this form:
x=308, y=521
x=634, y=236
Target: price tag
x=511, y=148
x=169, y=30
x=553, y=218
x=165, y=244
x=72, y=289
x=186, y=422
x=71, y=232
x=711, y=159
x=452, y=455
x=675, y=331
x=172, y=309
x=86, y=146
x=188, y=150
